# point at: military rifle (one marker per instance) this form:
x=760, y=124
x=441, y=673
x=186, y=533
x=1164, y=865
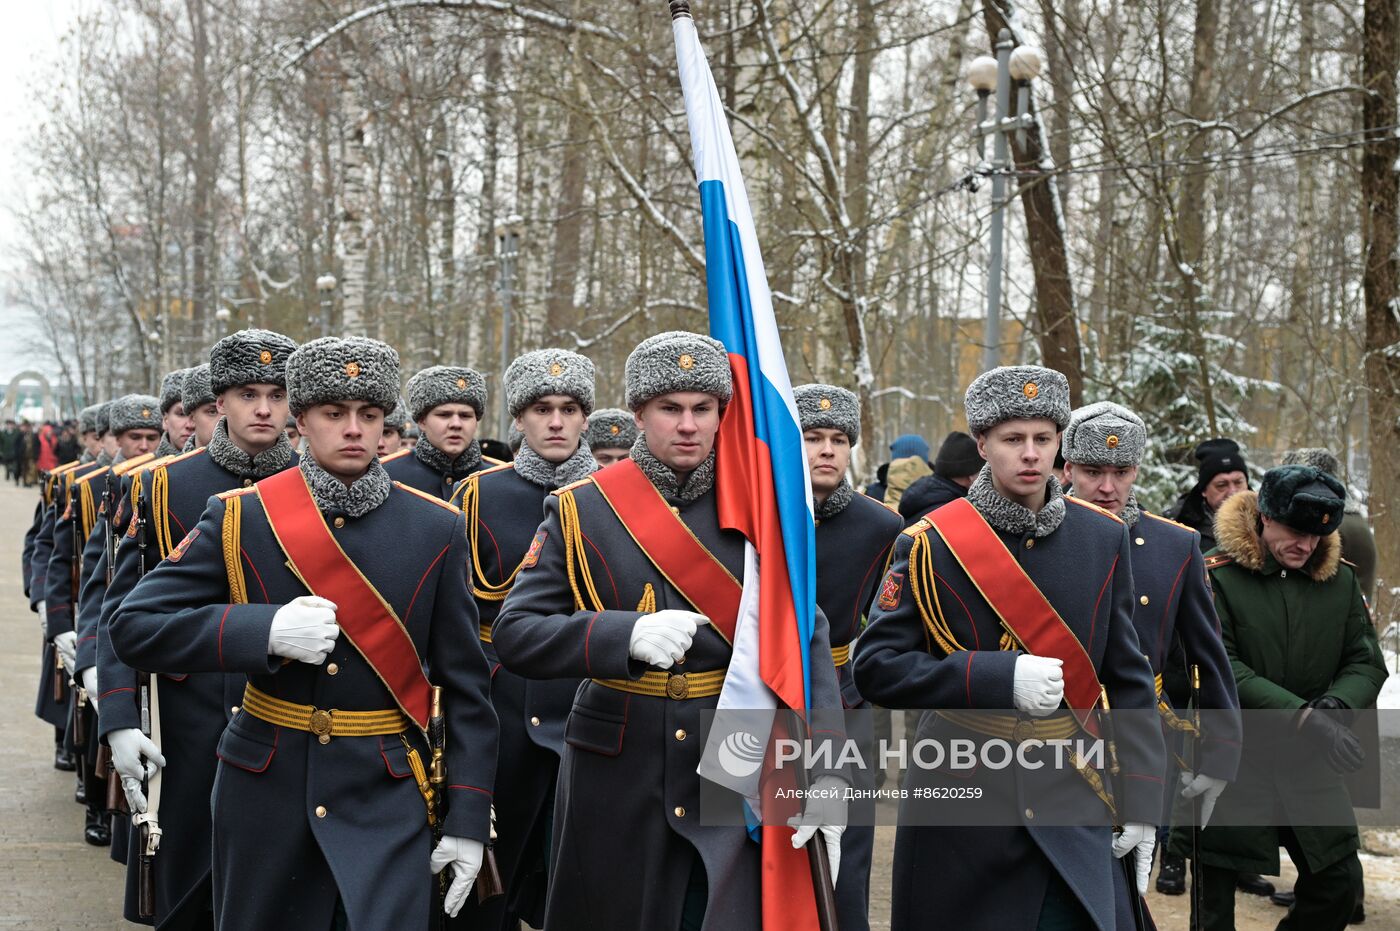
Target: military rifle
x=1197, y=893
x=488, y=879
x=149, y=821
x=1129, y=859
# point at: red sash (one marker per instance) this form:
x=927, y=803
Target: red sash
x=364, y=616
x=1019, y=603
x=670, y=545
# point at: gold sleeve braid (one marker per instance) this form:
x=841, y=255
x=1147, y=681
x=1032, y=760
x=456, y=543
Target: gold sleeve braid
x=575, y=558
x=470, y=504
x=89, y=509
x=233, y=560
x=930, y=608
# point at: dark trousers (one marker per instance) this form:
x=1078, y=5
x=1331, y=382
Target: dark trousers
x=1325, y=897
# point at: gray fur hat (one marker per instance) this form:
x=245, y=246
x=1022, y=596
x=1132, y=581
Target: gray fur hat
x=549, y=371
x=171, y=387
x=134, y=412
x=1104, y=434
x=1315, y=456
x=1016, y=392
x=678, y=360
x=828, y=406
x=398, y=417
x=103, y=419
x=353, y=368
x=87, y=418
x=249, y=357
x=611, y=428
x=445, y=384
x=197, y=389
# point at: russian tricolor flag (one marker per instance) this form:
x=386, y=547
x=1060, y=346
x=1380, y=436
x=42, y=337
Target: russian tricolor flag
x=762, y=484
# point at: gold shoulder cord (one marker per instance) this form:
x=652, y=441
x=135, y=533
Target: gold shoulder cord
x=482, y=587
x=89, y=509
x=921, y=566
x=160, y=510
x=233, y=562
x=648, y=603
x=575, y=558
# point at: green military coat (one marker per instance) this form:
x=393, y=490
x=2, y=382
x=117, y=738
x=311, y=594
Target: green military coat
x=1292, y=636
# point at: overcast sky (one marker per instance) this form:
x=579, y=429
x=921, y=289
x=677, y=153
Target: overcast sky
x=29, y=37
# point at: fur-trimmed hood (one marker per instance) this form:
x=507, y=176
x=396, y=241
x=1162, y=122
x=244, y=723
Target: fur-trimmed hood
x=1237, y=528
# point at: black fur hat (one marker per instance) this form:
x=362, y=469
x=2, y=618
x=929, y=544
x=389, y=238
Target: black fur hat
x=1306, y=499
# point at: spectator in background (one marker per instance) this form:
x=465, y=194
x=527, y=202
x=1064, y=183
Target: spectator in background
x=9, y=449
x=1358, y=545
x=46, y=459
x=954, y=469
x=1223, y=472
x=27, y=453
x=68, y=448
x=908, y=464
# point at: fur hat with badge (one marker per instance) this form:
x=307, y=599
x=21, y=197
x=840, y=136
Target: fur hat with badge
x=677, y=361
x=1305, y=498
x=87, y=418
x=445, y=384
x=827, y=406
x=1016, y=392
x=249, y=357
x=1104, y=434
x=544, y=372
x=611, y=428
x=134, y=412
x=334, y=369
x=103, y=419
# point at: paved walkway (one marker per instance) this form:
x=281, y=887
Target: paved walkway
x=49, y=878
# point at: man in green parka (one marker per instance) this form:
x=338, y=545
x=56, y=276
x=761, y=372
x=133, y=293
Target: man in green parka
x=1301, y=644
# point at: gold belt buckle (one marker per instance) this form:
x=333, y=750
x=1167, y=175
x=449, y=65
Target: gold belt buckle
x=321, y=725
x=677, y=687
x=1023, y=731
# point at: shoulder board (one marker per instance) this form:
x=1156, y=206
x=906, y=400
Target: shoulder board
x=236, y=493
x=395, y=455
x=427, y=497
x=1348, y=562
x=572, y=485
x=918, y=527
x=90, y=475
x=494, y=461
x=130, y=464
x=1093, y=507
x=1168, y=520
x=1218, y=560
x=179, y=457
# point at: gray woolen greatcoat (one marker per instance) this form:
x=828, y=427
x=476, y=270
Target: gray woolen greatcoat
x=626, y=826
x=995, y=877
x=298, y=825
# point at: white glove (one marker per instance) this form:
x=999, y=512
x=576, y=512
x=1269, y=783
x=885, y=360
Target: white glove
x=1208, y=787
x=134, y=758
x=465, y=855
x=44, y=617
x=66, y=644
x=1139, y=839
x=89, y=677
x=825, y=811
x=1038, y=684
x=304, y=629
x=662, y=638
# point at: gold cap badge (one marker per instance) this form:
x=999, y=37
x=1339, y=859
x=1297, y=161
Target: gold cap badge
x=1327, y=518
x=614, y=429
x=352, y=369
x=1112, y=441
x=686, y=361
x=145, y=412
x=556, y=370
x=265, y=357
x=824, y=404
x=1032, y=390
x=461, y=383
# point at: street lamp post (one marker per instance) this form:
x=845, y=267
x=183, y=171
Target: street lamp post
x=987, y=74
x=508, y=237
x=325, y=286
